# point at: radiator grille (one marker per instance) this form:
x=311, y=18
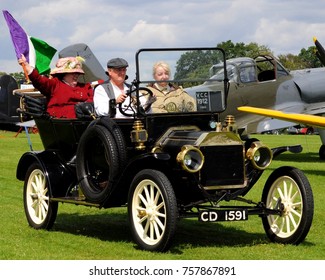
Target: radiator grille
x=224, y=166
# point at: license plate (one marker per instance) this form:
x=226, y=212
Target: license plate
x=223, y=215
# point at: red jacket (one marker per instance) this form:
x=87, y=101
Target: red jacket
x=61, y=97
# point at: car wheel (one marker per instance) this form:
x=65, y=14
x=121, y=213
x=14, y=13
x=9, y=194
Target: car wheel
x=152, y=210
x=39, y=210
x=288, y=190
x=97, y=163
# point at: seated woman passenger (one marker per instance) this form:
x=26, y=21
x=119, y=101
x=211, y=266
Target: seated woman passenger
x=168, y=98
x=62, y=90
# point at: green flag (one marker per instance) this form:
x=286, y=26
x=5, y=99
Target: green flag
x=43, y=54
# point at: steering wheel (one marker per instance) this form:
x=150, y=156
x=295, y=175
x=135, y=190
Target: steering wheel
x=125, y=108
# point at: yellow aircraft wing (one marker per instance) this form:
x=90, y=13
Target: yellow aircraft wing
x=297, y=118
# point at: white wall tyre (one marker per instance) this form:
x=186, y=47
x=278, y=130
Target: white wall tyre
x=152, y=210
x=288, y=188
x=39, y=210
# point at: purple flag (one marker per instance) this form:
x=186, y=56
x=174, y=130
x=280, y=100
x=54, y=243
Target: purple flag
x=37, y=52
x=18, y=36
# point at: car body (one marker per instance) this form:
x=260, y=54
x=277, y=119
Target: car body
x=162, y=167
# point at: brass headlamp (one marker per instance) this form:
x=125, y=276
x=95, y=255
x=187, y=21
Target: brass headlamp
x=259, y=155
x=190, y=158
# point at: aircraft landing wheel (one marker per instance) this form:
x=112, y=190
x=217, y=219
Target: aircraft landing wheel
x=322, y=152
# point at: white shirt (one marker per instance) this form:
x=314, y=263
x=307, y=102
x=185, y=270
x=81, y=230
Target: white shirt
x=101, y=101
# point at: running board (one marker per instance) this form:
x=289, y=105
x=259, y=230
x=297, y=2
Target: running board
x=75, y=200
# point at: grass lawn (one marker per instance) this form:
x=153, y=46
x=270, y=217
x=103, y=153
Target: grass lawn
x=83, y=233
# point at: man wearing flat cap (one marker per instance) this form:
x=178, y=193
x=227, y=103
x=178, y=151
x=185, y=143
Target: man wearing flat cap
x=115, y=88
x=117, y=63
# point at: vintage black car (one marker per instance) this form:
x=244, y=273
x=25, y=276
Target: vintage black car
x=162, y=167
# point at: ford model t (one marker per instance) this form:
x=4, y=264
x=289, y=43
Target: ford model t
x=183, y=163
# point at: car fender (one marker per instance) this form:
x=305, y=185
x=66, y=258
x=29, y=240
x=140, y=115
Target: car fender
x=57, y=175
x=149, y=160
x=157, y=161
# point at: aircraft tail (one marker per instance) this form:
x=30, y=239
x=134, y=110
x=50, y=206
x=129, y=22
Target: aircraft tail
x=92, y=68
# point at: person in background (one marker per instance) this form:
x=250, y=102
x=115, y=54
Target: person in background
x=169, y=98
x=115, y=88
x=62, y=90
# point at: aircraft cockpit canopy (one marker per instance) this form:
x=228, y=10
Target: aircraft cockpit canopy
x=239, y=70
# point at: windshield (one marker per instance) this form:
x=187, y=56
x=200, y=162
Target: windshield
x=175, y=80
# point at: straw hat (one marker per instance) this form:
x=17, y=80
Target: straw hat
x=68, y=65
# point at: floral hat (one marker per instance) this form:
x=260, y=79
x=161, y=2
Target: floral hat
x=68, y=65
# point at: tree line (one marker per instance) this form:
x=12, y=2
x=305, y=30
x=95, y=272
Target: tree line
x=196, y=64
x=305, y=59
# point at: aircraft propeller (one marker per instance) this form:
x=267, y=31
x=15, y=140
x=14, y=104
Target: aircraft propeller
x=320, y=53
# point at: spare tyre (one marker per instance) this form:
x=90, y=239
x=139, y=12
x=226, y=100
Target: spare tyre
x=97, y=163
x=119, y=139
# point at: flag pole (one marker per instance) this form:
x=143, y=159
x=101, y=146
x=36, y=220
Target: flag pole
x=25, y=72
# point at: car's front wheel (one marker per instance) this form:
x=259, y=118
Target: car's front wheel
x=152, y=210
x=40, y=211
x=288, y=190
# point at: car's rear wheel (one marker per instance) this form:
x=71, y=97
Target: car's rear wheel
x=288, y=190
x=152, y=210
x=39, y=210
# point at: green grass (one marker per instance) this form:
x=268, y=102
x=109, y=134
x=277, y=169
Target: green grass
x=92, y=234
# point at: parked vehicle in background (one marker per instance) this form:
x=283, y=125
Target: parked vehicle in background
x=300, y=129
x=274, y=131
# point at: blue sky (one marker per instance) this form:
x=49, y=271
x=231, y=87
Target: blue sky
x=120, y=28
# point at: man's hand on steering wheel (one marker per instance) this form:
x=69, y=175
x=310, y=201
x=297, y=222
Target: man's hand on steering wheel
x=124, y=108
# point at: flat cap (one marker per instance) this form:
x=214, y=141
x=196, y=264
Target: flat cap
x=117, y=63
